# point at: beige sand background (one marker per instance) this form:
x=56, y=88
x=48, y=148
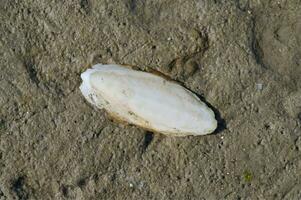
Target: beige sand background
x=242, y=56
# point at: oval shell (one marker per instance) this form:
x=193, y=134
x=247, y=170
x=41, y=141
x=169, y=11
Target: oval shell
x=147, y=100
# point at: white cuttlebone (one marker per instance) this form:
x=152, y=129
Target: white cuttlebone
x=147, y=100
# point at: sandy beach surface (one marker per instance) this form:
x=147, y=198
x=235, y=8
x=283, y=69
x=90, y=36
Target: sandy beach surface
x=243, y=57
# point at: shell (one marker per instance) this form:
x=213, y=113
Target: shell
x=147, y=100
